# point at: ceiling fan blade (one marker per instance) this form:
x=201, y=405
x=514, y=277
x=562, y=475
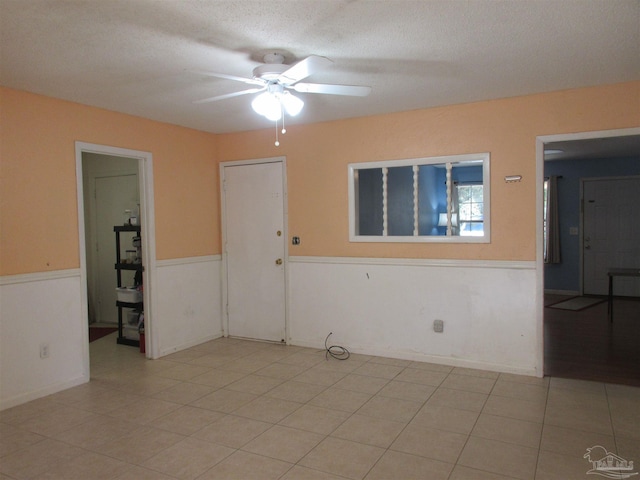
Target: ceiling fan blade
x=303, y=69
x=349, y=90
x=230, y=95
x=250, y=81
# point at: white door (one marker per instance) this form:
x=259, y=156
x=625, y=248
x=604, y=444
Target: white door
x=611, y=225
x=114, y=195
x=255, y=250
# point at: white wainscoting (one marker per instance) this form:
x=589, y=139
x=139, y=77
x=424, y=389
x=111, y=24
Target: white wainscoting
x=387, y=307
x=41, y=308
x=46, y=308
x=187, y=300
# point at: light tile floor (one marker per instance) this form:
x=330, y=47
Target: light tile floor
x=232, y=409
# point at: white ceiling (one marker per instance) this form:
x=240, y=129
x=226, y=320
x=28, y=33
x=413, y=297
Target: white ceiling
x=595, y=149
x=138, y=56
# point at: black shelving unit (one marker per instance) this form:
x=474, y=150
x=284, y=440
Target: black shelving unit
x=137, y=306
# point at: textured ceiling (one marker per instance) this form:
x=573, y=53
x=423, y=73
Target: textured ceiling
x=138, y=56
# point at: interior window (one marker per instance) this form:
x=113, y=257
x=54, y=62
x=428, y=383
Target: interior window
x=442, y=199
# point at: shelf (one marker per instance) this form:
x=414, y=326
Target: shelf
x=137, y=305
x=128, y=341
x=129, y=266
x=127, y=228
x=120, y=266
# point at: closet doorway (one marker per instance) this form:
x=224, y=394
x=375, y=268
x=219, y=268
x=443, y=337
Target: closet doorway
x=113, y=183
x=111, y=189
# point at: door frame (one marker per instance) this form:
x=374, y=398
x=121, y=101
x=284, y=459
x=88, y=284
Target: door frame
x=285, y=221
x=540, y=143
x=147, y=213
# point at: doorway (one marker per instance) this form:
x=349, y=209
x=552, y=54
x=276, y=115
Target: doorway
x=110, y=190
x=111, y=180
x=581, y=342
x=255, y=248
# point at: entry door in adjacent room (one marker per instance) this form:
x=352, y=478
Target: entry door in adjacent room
x=255, y=248
x=611, y=225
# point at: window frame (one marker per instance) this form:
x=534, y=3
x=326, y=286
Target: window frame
x=485, y=158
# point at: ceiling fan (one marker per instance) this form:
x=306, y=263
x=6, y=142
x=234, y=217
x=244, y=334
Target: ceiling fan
x=276, y=80
x=275, y=73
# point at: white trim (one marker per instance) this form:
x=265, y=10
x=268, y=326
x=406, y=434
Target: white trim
x=43, y=392
x=421, y=238
x=223, y=222
x=39, y=276
x=437, y=359
x=409, y=162
x=561, y=292
x=147, y=215
x=187, y=260
x=255, y=161
x=565, y=137
x=418, y=262
x=184, y=346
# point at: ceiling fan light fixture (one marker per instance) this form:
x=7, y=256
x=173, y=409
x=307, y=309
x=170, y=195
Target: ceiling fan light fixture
x=275, y=79
x=267, y=105
x=292, y=104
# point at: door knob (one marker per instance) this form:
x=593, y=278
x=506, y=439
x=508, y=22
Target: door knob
x=279, y=261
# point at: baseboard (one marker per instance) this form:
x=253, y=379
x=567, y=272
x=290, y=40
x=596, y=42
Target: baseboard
x=439, y=360
x=184, y=346
x=36, y=394
x=561, y=292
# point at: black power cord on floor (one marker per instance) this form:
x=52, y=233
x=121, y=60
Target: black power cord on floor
x=336, y=351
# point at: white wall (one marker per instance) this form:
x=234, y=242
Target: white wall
x=47, y=308
x=36, y=309
x=188, y=307
x=372, y=306
x=387, y=307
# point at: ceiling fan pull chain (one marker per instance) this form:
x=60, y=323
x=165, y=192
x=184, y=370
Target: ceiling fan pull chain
x=277, y=144
x=284, y=130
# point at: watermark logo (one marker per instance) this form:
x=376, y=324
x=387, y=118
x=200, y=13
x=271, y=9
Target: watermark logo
x=607, y=464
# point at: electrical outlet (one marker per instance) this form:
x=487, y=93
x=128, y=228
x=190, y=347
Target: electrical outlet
x=44, y=350
x=438, y=326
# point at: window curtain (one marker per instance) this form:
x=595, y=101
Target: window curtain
x=552, y=250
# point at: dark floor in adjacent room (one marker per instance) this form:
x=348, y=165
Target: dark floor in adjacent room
x=585, y=345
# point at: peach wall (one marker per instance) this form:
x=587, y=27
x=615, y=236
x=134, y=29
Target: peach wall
x=317, y=158
x=39, y=221
x=38, y=224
